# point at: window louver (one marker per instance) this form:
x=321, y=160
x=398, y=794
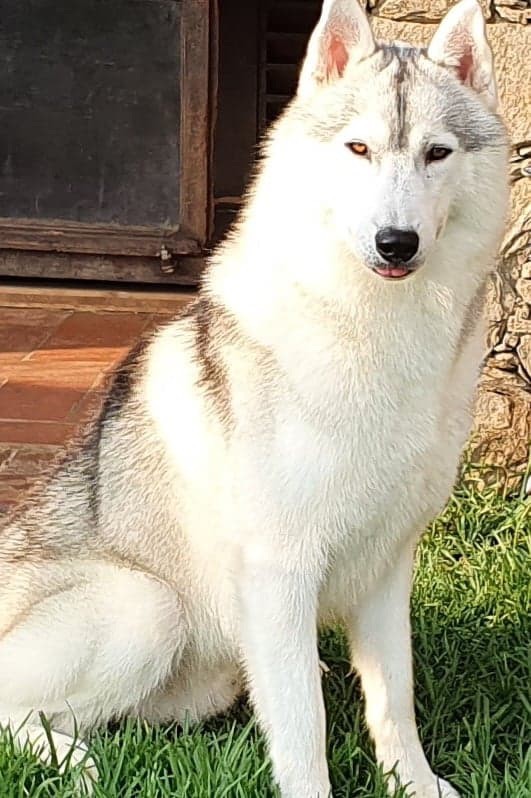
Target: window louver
x=286, y=27
x=262, y=44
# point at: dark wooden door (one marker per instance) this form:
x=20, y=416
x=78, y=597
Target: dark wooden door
x=104, y=126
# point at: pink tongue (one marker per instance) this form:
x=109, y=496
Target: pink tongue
x=395, y=271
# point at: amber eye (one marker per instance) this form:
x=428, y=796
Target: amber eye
x=358, y=148
x=437, y=154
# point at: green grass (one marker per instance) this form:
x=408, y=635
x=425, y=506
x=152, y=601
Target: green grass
x=471, y=618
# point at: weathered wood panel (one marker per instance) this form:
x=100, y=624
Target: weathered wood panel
x=66, y=266
x=64, y=236
x=196, y=118
x=91, y=110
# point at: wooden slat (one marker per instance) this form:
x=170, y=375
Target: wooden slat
x=35, y=295
x=280, y=67
x=286, y=28
x=277, y=98
x=287, y=16
x=195, y=118
x=213, y=73
x=98, y=239
x=65, y=266
x=285, y=47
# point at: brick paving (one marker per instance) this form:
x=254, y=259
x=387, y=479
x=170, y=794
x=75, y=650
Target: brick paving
x=54, y=365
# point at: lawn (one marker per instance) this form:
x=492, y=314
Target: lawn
x=471, y=618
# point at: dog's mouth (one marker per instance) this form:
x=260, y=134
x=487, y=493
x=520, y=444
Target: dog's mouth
x=393, y=272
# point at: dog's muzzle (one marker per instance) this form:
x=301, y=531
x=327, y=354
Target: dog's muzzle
x=397, y=247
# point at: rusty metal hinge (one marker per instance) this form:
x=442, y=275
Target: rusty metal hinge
x=166, y=260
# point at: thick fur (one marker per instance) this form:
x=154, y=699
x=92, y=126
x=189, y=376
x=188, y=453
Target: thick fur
x=268, y=461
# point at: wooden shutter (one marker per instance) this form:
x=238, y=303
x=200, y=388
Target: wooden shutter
x=287, y=25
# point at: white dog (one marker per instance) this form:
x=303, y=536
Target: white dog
x=268, y=461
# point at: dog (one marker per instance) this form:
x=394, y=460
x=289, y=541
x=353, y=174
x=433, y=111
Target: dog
x=266, y=462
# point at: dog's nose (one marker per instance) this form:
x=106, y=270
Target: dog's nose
x=396, y=246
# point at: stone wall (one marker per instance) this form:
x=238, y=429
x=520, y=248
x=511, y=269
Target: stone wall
x=502, y=435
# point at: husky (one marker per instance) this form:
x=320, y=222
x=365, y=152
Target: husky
x=266, y=463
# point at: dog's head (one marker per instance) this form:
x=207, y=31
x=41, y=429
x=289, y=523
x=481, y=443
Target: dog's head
x=397, y=143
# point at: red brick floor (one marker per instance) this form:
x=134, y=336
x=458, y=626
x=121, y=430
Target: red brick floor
x=54, y=365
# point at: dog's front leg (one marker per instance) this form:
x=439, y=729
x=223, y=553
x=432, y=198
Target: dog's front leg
x=279, y=639
x=380, y=637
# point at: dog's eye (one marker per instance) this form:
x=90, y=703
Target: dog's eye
x=358, y=148
x=437, y=154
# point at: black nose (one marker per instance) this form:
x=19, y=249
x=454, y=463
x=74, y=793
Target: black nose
x=396, y=246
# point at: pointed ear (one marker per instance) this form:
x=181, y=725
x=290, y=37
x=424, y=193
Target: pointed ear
x=342, y=35
x=460, y=43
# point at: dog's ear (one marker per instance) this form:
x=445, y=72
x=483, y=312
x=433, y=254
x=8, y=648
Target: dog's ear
x=460, y=43
x=342, y=35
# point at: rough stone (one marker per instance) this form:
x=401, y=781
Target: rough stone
x=497, y=408
x=508, y=361
x=421, y=11
x=523, y=289
x=524, y=353
x=513, y=10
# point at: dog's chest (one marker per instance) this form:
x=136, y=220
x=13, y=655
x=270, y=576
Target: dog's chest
x=360, y=427
x=354, y=470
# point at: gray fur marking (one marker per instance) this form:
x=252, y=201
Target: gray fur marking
x=474, y=127
x=474, y=132
x=119, y=393
x=472, y=317
x=212, y=325
x=403, y=56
